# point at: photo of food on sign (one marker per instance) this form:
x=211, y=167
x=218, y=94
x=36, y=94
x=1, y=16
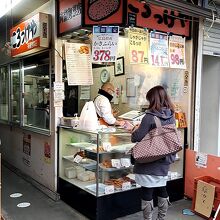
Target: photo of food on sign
x=84, y=49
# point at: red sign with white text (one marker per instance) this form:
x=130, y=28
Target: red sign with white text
x=70, y=15
x=158, y=18
x=100, y=12
x=30, y=35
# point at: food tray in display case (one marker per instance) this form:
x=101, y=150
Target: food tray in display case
x=86, y=162
x=82, y=145
x=101, y=188
x=110, y=169
x=123, y=148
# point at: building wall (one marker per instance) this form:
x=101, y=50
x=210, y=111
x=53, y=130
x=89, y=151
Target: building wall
x=210, y=100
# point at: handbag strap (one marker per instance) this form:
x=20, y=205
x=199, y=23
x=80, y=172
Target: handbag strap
x=158, y=124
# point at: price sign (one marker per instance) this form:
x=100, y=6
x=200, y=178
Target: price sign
x=116, y=163
x=159, y=49
x=138, y=46
x=109, y=189
x=107, y=146
x=105, y=43
x=177, y=52
x=125, y=162
x=77, y=159
x=126, y=186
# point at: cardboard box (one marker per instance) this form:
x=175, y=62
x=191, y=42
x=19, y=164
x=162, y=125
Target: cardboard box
x=205, y=195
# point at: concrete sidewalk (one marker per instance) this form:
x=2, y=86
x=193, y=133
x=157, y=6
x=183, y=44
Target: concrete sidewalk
x=43, y=208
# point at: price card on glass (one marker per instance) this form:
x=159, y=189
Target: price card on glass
x=125, y=162
x=107, y=146
x=77, y=159
x=159, y=49
x=126, y=186
x=177, y=52
x=109, y=189
x=105, y=43
x=116, y=163
x=138, y=46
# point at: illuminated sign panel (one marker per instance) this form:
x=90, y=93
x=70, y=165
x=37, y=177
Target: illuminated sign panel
x=30, y=36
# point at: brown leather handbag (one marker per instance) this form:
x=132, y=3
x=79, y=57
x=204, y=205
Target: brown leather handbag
x=157, y=143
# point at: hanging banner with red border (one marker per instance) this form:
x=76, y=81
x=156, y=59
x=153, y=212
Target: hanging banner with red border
x=159, y=49
x=70, y=15
x=105, y=43
x=109, y=12
x=30, y=36
x=177, y=52
x=157, y=18
x=138, y=46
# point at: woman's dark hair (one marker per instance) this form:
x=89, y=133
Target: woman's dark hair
x=158, y=98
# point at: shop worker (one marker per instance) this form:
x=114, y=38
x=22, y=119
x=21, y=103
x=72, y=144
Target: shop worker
x=103, y=105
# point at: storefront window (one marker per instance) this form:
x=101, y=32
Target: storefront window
x=15, y=93
x=4, y=91
x=37, y=91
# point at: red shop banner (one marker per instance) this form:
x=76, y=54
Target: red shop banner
x=30, y=36
x=105, y=12
x=70, y=15
x=158, y=18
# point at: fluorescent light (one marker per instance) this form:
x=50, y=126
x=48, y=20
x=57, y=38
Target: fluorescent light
x=7, y=5
x=30, y=67
x=25, y=68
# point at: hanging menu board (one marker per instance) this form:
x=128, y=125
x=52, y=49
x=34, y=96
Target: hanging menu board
x=138, y=46
x=78, y=64
x=105, y=43
x=177, y=52
x=159, y=49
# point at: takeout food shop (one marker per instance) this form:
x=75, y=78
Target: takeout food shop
x=135, y=46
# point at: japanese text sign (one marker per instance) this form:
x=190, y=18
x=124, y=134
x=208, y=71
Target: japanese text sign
x=29, y=35
x=70, y=15
x=177, y=52
x=205, y=195
x=159, y=49
x=138, y=46
x=105, y=43
x=78, y=64
x=158, y=18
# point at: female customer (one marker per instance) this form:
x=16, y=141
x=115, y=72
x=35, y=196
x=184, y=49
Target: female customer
x=153, y=176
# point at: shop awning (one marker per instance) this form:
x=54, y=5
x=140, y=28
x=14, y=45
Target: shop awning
x=185, y=7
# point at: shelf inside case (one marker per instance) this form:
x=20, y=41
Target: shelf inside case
x=86, y=162
x=112, y=169
x=82, y=145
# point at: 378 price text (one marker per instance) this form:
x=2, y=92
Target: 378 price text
x=103, y=55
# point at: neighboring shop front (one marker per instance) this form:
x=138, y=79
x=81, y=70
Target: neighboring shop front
x=26, y=110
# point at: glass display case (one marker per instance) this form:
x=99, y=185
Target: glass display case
x=96, y=162
x=95, y=170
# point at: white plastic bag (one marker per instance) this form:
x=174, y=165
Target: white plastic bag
x=88, y=118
